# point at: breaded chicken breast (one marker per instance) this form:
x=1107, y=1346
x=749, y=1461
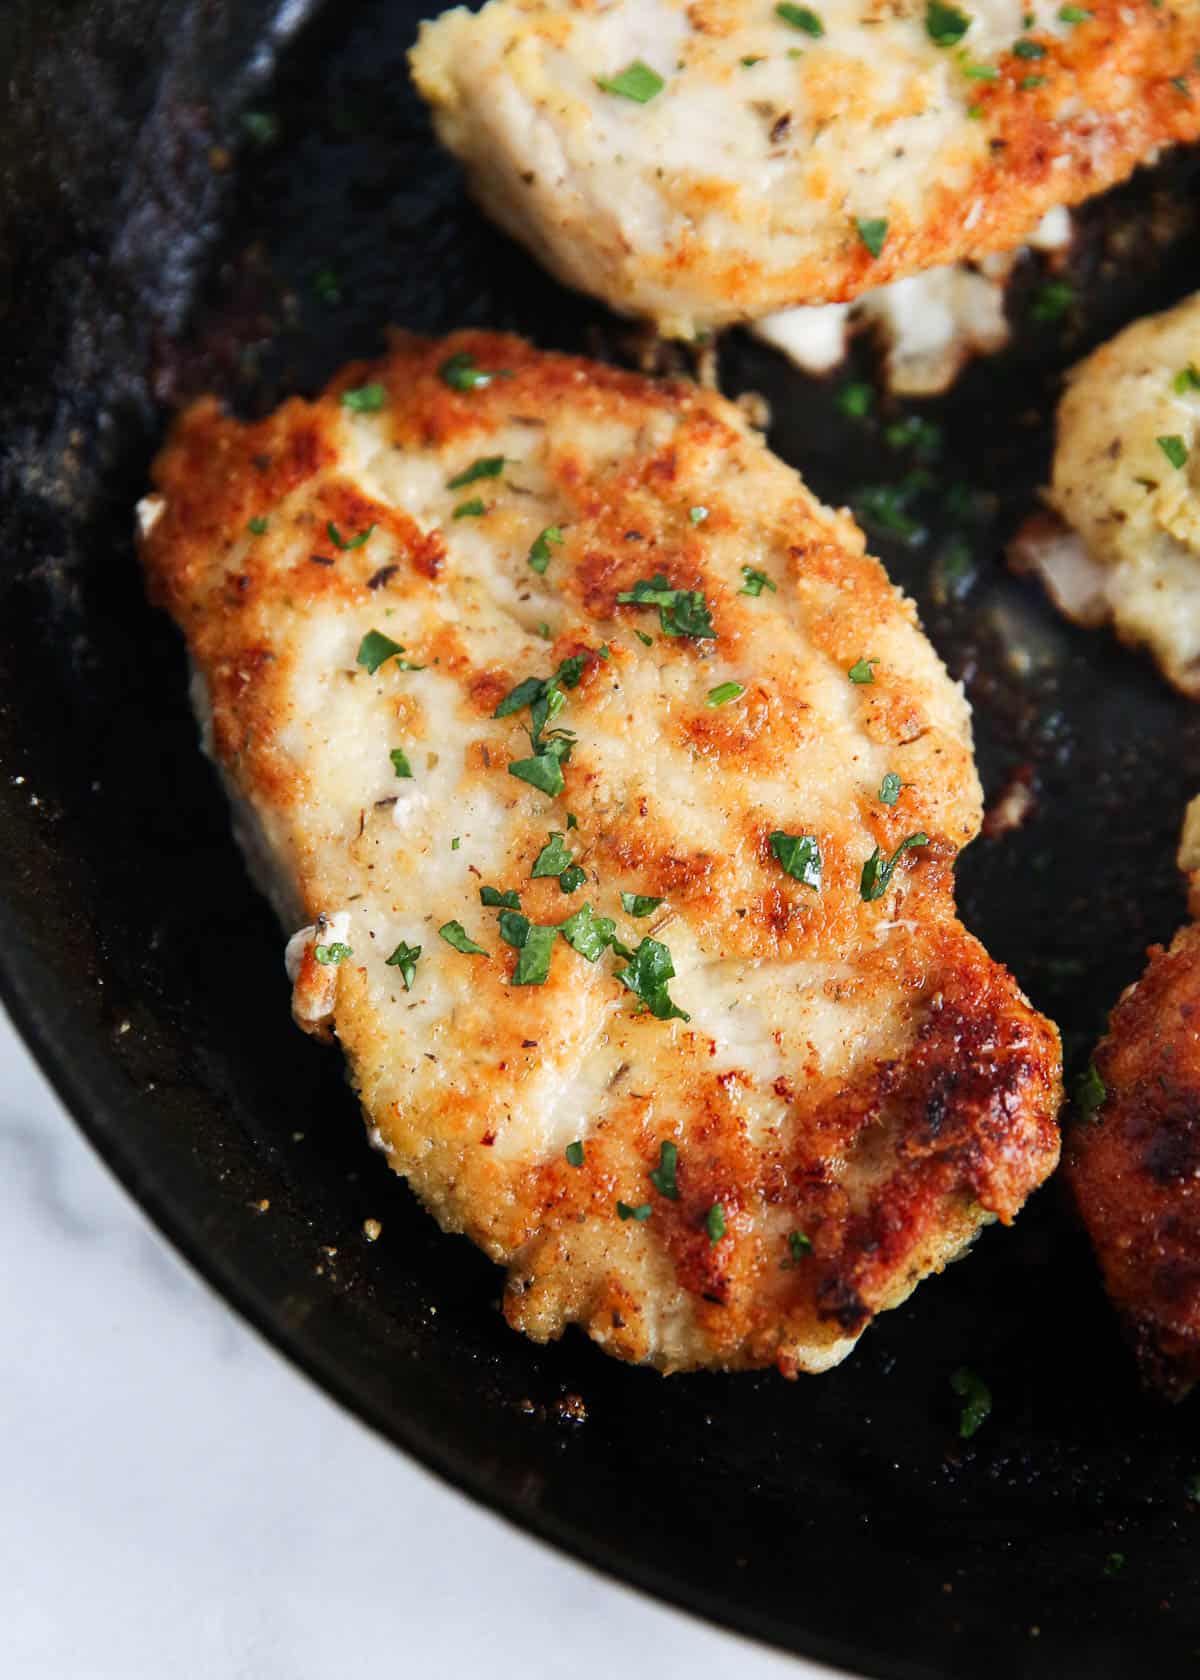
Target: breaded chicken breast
x=617, y=793
x=1123, y=542
x=700, y=162
x=1133, y=1159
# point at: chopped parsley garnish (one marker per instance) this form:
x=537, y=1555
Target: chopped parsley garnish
x=1091, y=1092
x=336, y=953
x=873, y=231
x=860, y=672
x=339, y=541
x=487, y=466
x=638, y=905
x=637, y=81
x=365, y=399
x=1028, y=83
x=534, y=952
x=681, y=612
x=798, y=855
x=405, y=957
x=543, y=771
x=1114, y=1563
x=514, y=928
x=256, y=526
x=376, y=649
x=724, y=693
x=1052, y=300
x=400, y=762
x=326, y=286
x=663, y=1175
x=553, y=858
x=454, y=933
x=754, y=582
x=455, y=843
x=976, y=1397
x=475, y=508
x=641, y=1213
x=646, y=641
x=261, y=126
x=856, y=399
x=798, y=1245
x=886, y=506
x=714, y=1223
x=800, y=17
x=539, y=553
x=1073, y=14
x=877, y=872
x=649, y=969
x=587, y=933
x=574, y=1154
x=1187, y=379
x=1028, y=49
x=977, y=73
x=914, y=432
x=461, y=373
x=572, y=879
x=533, y=689
x=698, y=515
x=945, y=25
x=494, y=899
x=1174, y=449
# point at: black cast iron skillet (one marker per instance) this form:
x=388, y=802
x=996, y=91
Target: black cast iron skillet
x=234, y=194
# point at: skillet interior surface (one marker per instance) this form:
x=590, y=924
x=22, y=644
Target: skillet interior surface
x=239, y=195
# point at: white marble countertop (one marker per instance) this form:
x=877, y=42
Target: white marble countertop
x=177, y=1498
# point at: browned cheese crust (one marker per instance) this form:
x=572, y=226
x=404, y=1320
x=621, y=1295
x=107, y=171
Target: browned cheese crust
x=1134, y=1166
x=739, y=188
x=859, y=1073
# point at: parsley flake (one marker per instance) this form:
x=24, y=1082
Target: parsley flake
x=454, y=933
x=405, y=958
x=1174, y=449
x=400, y=762
x=877, y=871
x=494, y=899
x=587, y=933
x=663, y=1175
x=698, y=515
x=641, y=1213
x=487, y=466
x=475, y=508
x=856, y=400
x=365, y=399
x=637, y=82
x=376, y=649
x=539, y=553
x=256, y=526
x=574, y=1154
x=1028, y=49
x=461, y=373
x=1073, y=14
x=338, y=541
x=889, y=788
x=800, y=17
x=976, y=1397
x=650, y=967
x=681, y=612
x=714, y=1223
x=1114, y=1563
x=754, y=582
x=553, y=858
x=724, y=693
x=638, y=905
x=533, y=952
x=945, y=25
x=798, y=855
x=332, y=954
x=572, y=879
x=1187, y=379
x=860, y=672
x=798, y=1245
x=873, y=231
x=1052, y=301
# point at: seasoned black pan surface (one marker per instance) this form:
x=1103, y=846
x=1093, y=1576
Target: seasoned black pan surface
x=233, y=194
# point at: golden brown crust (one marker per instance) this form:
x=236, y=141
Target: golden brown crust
x=871, y=120
x=1134, y=1166
x=860, y=1072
